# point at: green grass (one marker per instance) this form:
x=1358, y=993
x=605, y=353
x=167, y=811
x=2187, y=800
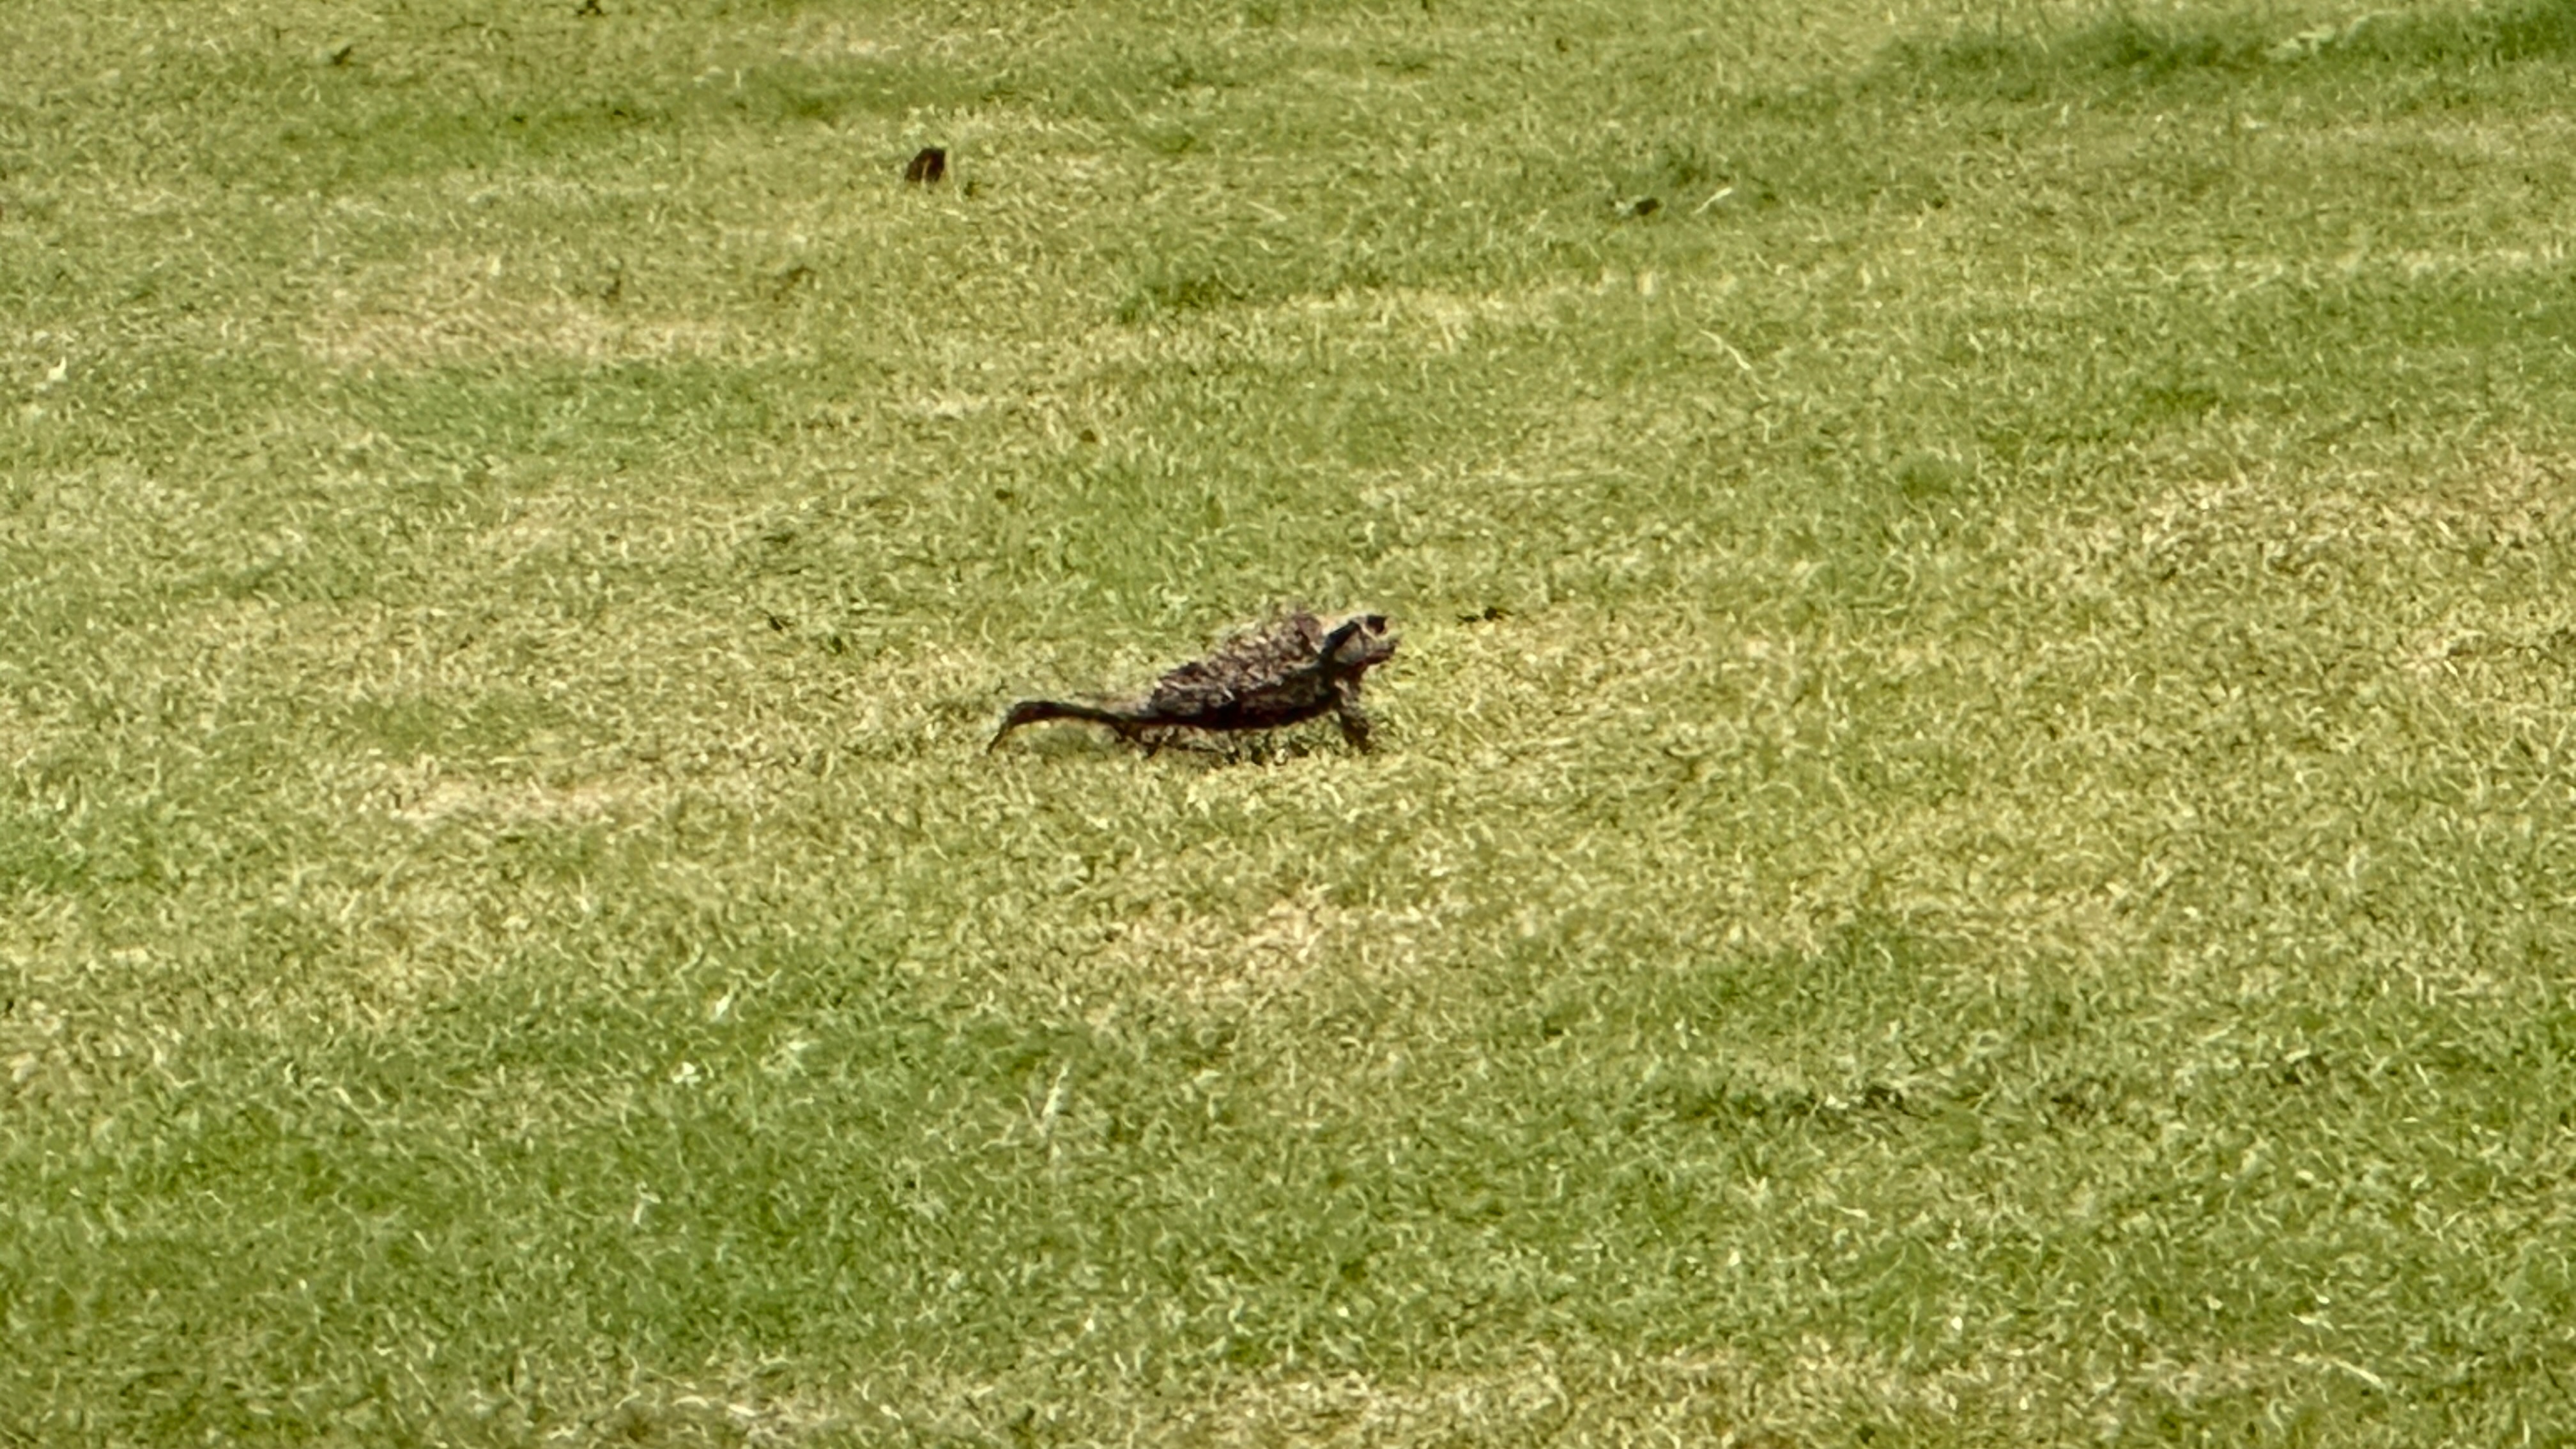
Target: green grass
x=1972, y=836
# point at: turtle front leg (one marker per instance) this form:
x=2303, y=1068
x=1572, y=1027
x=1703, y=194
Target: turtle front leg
x=1354, y=722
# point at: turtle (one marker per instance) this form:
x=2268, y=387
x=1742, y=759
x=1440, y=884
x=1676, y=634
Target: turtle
x=1295, y=668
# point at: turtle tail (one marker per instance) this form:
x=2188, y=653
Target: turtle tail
x=1039, y=711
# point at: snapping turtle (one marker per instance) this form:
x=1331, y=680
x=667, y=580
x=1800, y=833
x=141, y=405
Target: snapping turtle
x=1291, y=670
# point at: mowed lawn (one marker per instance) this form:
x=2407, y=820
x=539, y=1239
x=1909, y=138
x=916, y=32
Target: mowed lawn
x=1973, y=840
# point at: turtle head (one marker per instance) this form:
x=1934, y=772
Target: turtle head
x=1360, y=643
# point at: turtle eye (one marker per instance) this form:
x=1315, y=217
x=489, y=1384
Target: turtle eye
x=1374, y=623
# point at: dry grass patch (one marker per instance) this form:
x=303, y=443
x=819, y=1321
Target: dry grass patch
x=1818, y=1393
x=1297, y=949
x=453, y=308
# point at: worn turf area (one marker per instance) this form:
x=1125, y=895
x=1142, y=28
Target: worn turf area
x=1970, y=843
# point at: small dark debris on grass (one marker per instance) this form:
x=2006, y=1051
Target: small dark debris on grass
x=1926, y=475
x=341, y=56
x=793, y=278
x=929, y=167
x=777, y=623
x=590, y=7
x=1638, y=209
x=1487, y=615
x=2301, y=1068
